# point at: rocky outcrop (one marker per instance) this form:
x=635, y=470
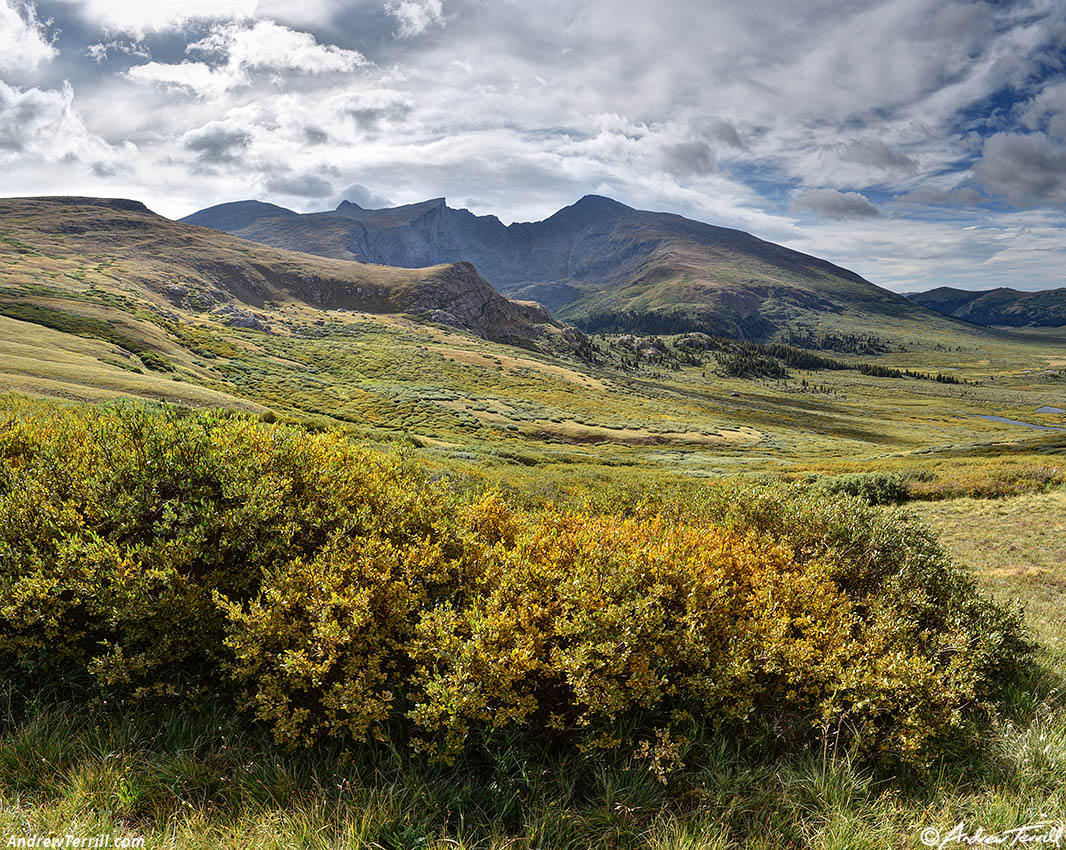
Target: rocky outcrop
x=458, y=296
x=238, y=318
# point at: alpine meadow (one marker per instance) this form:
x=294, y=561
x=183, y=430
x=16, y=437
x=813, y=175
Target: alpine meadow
x=689, y=471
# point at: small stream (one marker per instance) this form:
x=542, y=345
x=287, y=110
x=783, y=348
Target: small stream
x=1006, y=421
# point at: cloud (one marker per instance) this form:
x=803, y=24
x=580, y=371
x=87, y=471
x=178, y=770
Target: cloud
x=42, y=125
x=140, y=17
x=266, y=45
x=369, y=109
x=24, y=41
x=690, y=158
x=1026, y=170
x=1048, y=110
x=242, y=48
x=195, y=77
x=962, y=196
x=303, y=186
x=218, y=143
x=840, y=206
x=725, y=131
x=415, y=16
x=100, y=51
x=363, y=197
x=876, y=153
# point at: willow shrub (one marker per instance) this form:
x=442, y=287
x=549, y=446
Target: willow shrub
x=120, y=531
x=334, y=592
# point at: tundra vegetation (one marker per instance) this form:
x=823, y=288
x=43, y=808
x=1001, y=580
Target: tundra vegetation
x=282, y=575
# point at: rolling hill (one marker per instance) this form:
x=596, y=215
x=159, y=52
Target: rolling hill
x=101, y=298
x=1001, y=307
x=176, y=267
x=600, y=265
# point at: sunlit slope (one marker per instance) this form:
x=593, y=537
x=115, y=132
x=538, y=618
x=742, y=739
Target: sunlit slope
x=36, y=360
x=85, y=245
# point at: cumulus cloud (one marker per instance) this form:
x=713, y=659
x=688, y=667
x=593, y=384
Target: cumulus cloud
x=1048, y=110
x=39, y=125
x=415, y=16
x=194, y=77
x=361, y=196
x=241, y=48
x=268, y=45
x=1025, y=169
x=840, y=206
x=302, y=186
x=24, y=41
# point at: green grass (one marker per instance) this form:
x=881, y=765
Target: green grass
x=1018, y=546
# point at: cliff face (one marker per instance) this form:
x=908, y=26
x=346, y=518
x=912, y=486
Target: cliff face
x=458, y=296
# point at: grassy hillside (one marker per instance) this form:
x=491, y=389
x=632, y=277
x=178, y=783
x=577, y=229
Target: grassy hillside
x=116, y=255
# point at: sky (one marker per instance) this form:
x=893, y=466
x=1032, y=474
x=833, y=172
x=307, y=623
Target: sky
x=920, y=143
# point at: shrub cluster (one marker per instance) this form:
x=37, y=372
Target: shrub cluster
x=876, y=488
x=334, y=592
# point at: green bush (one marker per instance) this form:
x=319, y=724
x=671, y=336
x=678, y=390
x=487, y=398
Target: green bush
x=877, y=488
x=336, y=593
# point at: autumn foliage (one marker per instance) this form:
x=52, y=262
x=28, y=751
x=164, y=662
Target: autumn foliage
x=335, y=592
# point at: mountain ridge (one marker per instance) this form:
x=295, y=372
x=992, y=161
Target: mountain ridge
x=999, y=307
x=596, y=263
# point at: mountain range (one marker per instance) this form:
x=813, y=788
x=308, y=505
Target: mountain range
x=998, y=307
x=597, y=264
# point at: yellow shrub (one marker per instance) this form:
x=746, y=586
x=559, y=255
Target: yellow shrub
x=335, y=592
